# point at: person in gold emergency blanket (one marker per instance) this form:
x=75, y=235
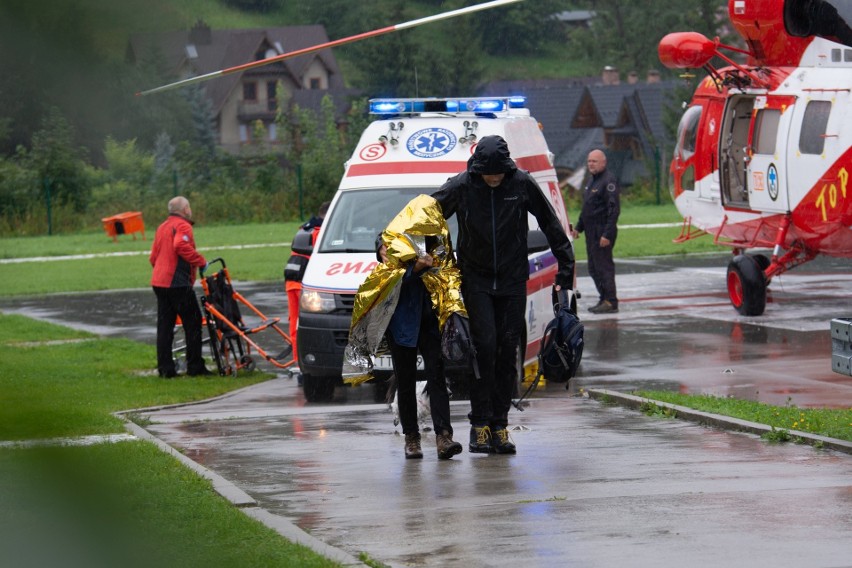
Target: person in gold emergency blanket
x=404, y=304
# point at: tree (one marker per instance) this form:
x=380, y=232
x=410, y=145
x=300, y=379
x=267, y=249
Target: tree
x=625, y=34
x=318, y=149
x=519, y=29
x=425, y=62
x=59, y=162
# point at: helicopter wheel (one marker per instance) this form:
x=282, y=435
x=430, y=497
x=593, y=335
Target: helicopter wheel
x=746, y=285
x=763, y=261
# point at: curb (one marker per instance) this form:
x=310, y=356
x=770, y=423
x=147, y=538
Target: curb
x=246, y=503
x=716, y=420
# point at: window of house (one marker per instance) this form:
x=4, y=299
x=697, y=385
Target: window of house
x=271, y=102
x=812, y=137
x=250, y=91
x=273, y=132
x=245, y=134
x=315, y=83
x=766, y=130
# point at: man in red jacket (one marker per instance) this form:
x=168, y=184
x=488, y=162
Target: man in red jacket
x=175, y=261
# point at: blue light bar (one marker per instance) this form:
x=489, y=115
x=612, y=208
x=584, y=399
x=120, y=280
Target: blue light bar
x=492, y=105
x=386, y=107
x=475, y=105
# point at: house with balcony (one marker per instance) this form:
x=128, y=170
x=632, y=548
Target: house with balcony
x=239, y=100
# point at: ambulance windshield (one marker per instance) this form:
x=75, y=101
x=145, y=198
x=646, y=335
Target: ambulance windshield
x=359, y=216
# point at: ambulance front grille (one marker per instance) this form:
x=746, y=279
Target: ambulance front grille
x=344, y=303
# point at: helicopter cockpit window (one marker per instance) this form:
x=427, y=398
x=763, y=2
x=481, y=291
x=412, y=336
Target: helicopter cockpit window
x=766, y=131
x=687, y=133
x=814, y=123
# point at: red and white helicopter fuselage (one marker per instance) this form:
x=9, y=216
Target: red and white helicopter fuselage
x=762, y=158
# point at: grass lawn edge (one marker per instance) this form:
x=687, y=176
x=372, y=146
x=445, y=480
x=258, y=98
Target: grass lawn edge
x=242, y=500
x=716, y=420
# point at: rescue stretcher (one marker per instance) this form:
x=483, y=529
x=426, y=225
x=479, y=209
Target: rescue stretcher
x=231, y=341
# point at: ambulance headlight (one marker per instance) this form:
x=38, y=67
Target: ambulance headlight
x=316, y=302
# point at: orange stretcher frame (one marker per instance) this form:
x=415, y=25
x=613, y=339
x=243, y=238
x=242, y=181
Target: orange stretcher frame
x=231, y=341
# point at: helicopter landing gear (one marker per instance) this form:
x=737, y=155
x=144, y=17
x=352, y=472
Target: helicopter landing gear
x=747, y=285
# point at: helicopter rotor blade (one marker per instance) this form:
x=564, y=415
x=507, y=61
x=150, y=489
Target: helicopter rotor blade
x=335, y=43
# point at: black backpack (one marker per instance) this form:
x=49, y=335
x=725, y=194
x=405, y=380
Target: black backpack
x=562, y=344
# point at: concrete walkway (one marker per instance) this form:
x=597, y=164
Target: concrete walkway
x=592, y=485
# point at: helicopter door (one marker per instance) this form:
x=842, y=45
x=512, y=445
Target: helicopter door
x=766, y=153
x=814, y=145
x=733, y=151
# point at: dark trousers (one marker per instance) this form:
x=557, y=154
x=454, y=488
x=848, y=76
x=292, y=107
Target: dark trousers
x=601, y=266
x=496, y=327
x=405, y=367
x=171, y=303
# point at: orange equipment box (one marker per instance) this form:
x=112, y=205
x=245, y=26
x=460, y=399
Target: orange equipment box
x=124, y=224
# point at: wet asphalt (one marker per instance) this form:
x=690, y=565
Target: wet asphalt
x=592, y=484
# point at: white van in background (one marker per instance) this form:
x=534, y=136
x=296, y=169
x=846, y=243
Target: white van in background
x=412, y=148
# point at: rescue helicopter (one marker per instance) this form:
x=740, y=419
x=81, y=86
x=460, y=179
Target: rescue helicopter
x=762, y=158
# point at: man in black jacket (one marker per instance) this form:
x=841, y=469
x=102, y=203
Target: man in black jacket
x=598, y=219
x=491, y=200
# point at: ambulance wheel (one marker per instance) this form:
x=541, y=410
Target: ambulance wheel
x=746, y=285
x=318, y=389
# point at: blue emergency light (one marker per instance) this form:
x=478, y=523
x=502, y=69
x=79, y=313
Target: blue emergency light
x=415, y=106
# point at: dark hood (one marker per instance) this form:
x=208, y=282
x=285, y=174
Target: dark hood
x=491, y=156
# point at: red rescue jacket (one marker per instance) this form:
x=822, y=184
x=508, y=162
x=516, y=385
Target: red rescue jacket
x=173, y=254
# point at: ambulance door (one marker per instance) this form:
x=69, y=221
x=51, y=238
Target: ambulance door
x=766, y=174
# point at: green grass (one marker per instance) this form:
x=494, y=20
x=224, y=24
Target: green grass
x=57, y=382
x=120, y=272
x=98, y=243
x=833, y=423
x=112, y=22
x=124, y=504
x=252, y=264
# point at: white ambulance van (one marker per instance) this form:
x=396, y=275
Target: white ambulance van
x=412, y=148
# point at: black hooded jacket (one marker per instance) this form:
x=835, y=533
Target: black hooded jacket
x=493, y=223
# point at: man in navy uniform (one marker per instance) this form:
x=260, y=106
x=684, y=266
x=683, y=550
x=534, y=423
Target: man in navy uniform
x=598, y=218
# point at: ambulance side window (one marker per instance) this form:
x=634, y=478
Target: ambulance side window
x=812, y=138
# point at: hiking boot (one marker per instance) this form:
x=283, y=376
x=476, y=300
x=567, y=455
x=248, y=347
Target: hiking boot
x=596, y=306
x=446, y=447
x=501, y=443
x=412, y=446
x=480, y=440
x=605, y=307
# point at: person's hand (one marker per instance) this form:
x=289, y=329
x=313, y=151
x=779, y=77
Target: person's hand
x=575, y=234
x=605, y=242
x=423, y=262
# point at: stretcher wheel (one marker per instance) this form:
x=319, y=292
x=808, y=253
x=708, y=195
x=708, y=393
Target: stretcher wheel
x=247, y=363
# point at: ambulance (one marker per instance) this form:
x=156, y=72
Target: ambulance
x=412, y=147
